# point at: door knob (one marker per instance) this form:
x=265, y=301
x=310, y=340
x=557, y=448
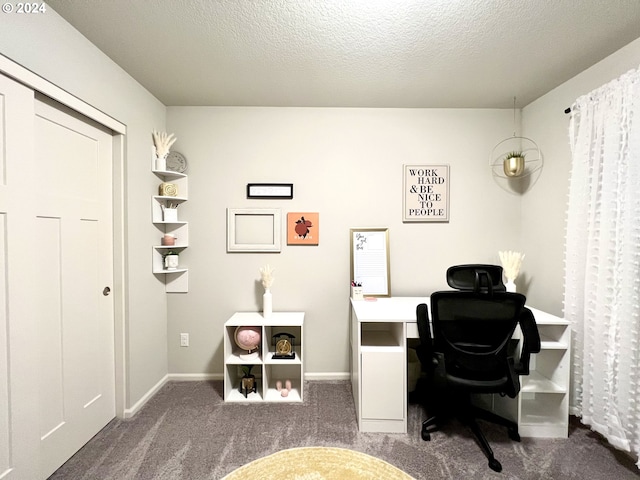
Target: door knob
x=106, y=291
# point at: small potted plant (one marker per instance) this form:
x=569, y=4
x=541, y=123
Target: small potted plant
x=514, y=164
x=248, y=381
x=171, y=260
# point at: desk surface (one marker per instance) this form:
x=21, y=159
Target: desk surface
x=403, y=309
x=388, y=309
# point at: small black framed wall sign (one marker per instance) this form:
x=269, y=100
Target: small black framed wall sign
x=425, y=193
x=270, y=190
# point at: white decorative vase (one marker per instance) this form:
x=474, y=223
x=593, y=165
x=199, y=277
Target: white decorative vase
x=161, y=163
x=171, y=262
x=267, y=304
x=170, y=214
x=511, y=286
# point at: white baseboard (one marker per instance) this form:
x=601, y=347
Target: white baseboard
x=327, y=376
x=198, y=377
x=194, y=377
x=130, y=412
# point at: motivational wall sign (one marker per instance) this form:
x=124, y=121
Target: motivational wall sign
x=426, y=193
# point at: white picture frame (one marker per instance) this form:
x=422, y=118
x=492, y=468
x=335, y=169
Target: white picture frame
x=270, y=190
x=254, y=230
x=370, y=266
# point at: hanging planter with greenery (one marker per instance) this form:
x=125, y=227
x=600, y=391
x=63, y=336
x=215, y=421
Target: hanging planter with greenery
x=514, y=164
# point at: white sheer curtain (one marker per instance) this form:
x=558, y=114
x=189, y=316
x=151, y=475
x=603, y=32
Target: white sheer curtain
x=602, y=259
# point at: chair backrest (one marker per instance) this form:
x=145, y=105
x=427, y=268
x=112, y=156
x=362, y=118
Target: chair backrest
x=476, y=278
x=473, y=331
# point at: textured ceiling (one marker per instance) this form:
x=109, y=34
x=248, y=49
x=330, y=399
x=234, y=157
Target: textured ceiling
x=353, y=53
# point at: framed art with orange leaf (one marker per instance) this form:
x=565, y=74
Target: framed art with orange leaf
x=303, y=228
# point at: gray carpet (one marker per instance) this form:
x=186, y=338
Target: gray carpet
x=187, y=432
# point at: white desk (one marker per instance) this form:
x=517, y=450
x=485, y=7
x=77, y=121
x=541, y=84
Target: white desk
x=379, y=331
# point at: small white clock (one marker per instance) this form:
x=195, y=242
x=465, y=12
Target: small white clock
x=176, y=162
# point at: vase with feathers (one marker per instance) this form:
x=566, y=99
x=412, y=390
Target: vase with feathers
x=162, y=142
x=267, y=279
x=511, y=262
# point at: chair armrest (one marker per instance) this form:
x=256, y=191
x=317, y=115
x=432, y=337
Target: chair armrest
x=425, y=349
x=531, y=341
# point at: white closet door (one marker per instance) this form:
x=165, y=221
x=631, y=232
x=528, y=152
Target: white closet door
x=18, y=385
x=74, y=258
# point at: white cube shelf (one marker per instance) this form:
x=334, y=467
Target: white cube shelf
x=267, y=370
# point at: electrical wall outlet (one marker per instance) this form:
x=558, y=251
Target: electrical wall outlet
x=184, y=339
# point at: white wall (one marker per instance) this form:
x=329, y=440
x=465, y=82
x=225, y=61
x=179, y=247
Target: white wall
x=544, y=206
x=345, y=164
x=48, y=46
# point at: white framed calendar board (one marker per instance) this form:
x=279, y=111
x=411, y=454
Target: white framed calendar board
x=370, y=261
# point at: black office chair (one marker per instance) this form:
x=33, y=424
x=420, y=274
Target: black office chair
x=472, y=350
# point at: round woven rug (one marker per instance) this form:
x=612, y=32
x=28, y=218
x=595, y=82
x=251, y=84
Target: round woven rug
x=318, y=463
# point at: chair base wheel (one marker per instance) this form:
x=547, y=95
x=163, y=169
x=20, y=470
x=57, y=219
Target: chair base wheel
x=426, y=436
x=495, y=465
x=514, y=435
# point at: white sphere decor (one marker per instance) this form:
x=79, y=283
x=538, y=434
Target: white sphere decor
x=248, y=339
